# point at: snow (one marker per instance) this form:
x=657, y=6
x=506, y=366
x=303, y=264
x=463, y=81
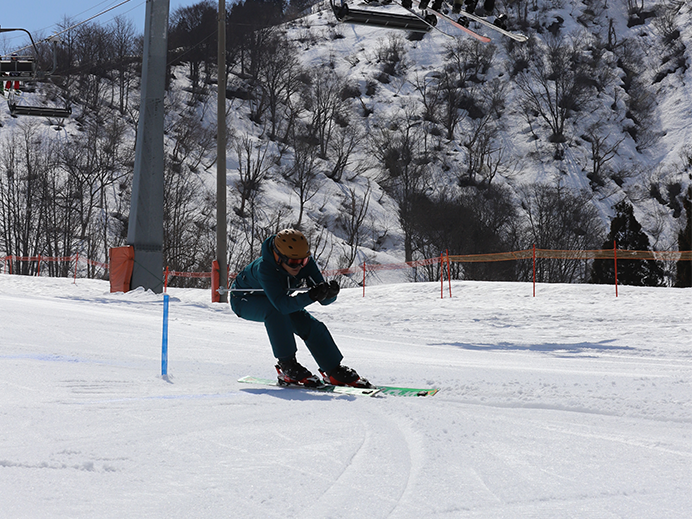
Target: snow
x=574, y=403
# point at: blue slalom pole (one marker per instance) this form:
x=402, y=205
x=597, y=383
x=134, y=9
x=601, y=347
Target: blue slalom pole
x=164, y=340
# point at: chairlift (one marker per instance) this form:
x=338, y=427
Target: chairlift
x=15, y=70
x=387, y=20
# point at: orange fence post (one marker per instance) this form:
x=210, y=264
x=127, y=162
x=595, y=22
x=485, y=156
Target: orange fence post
x=534, y=270
x=363, y=278
x=215, y=280
x=615, y=255
x=449, y=274
x=442, y=276
x=76, y=261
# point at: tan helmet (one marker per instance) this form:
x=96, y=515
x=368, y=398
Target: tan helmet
x=291, y=244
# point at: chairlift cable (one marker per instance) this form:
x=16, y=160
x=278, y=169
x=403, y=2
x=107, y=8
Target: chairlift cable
x=53, y=36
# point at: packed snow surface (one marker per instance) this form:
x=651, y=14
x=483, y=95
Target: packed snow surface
x=570, y=404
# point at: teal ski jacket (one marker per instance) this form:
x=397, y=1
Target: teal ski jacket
x=266, y=274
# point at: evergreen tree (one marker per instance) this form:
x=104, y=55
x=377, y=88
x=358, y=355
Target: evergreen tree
x=684, y=267
x=627, y=233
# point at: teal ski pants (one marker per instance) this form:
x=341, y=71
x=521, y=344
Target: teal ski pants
x=282, y=329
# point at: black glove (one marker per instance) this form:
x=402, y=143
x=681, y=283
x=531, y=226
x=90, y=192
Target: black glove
x=333, y=289
x=319, y=292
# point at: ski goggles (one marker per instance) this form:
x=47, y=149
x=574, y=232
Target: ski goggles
x=292, y=262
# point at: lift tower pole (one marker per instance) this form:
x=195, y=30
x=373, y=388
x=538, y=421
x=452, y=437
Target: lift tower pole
x=221, y=156
x=145, y=231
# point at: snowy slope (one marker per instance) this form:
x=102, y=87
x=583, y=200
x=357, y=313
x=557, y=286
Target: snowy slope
x=572, y=404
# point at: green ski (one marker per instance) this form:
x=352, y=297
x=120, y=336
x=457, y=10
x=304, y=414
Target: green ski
x=347, y=390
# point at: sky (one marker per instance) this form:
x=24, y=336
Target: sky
x=44, y=20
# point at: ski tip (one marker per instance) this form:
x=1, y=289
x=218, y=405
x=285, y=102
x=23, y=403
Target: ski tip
x=408, y=391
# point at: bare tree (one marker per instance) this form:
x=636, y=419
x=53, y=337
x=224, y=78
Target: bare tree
x=123, y=35
x=559, y=219
x=188, y=217
x=554, y=86
x=342, y=147
x=193, y=36
x=427, y=88
x=403, y=160
x=303, y=177
x=24, y=195
x=327, y=108
x=450, y=94
x=278, y=79
x=252, y=170
x=354, y=209
x=602, y=152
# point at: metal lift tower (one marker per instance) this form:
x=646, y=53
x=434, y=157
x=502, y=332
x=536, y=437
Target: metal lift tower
x=145, y=231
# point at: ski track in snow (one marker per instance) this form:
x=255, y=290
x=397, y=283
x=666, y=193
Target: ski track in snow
x=570, y=404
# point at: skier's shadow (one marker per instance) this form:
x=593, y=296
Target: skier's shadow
x=555, y=348
x=297, y=394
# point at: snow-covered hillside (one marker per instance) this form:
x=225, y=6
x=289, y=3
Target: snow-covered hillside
x=656, y=159
x=572, y=404
x=324, y=124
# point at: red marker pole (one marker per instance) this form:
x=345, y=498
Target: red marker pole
x=534, y=270
x=615, y=255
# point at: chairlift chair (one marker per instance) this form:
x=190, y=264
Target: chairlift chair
x=387, y=20
x=16, y=69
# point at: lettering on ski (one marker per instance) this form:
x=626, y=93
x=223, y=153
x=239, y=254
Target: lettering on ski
x=327, y=388
x=407, y=391
x=347, y=390
x=514, y=35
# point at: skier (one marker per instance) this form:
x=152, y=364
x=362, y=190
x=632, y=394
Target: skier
x=262, y=293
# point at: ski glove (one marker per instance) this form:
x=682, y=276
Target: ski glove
x=333, y=289
x=319, y=292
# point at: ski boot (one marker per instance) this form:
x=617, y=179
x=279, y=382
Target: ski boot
x=345, y=376
x=291, y=372
x=501, y=21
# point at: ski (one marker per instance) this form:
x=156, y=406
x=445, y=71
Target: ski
x=514, y=35
x=456, y=24
x=327, y=388
x=430, y=20
x=407, y=391
x=347, y=390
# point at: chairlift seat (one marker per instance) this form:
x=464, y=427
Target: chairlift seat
x=18, y=68
x=39, y=111
x=409, y=22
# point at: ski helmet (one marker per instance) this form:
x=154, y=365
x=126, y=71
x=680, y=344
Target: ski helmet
x=291, y=244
